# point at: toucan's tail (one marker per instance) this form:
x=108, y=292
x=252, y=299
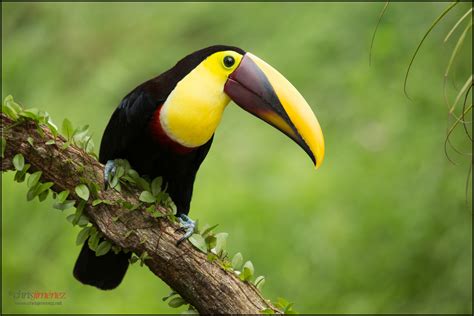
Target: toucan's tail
x=104, y=272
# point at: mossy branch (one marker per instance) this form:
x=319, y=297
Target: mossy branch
x=202, y=283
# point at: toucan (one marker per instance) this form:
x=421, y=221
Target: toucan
x=165, y=127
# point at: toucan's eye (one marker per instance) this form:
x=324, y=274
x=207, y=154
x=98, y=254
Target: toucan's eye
x=228, y=61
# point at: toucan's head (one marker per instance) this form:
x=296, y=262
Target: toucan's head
x=208, y=79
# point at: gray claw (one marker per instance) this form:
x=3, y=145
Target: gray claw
x=187, y=225
x=109, y=171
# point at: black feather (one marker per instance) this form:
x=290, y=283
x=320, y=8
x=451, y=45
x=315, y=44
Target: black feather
x=104, y=272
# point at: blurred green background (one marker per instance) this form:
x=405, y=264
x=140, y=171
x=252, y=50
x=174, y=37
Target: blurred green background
x=382, y=227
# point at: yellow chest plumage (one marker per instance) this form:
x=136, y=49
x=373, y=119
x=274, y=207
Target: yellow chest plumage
x=194, y=108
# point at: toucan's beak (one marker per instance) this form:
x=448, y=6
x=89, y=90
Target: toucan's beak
x=261, y=90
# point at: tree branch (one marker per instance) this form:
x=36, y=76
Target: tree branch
x=203, y=284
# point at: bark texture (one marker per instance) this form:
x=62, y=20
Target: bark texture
x=205, y=285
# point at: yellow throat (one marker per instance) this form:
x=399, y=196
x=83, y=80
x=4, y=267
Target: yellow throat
x=193, y=110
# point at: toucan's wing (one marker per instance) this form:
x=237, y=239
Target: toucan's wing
x=128, y=123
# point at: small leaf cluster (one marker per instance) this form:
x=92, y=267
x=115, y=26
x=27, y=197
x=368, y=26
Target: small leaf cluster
x=96, y=241
x=153, y=193
x=35, y=187
x=144, y=256
x=283, y=305
x=78, y=136
x=175, y=301
x=215, y=245
x=90, y=233
x=16, y=113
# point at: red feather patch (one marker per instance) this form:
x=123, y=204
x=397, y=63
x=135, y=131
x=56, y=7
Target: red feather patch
x=160, y=136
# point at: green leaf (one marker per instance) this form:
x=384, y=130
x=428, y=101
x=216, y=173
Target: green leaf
x=43, y=195
x=173, y=293
x=9, y=112
x=32, y=192
x=237, y=261
x=83, y=235
x=259, y=282
x=78, y=213
x=147, y=197
x=133, y=174
x=143, y=184
x=50, y=142
x=221, y=242
x=103, y=248
x=52, y=127
x=80, y=135
x=66, y=129
x=20, y=175
x=34, y=178
x=288, y=309
x=30, y=113
x=134, y=259
x=198, y=242
x=4, y=145
x=208, y=230
x=94, y=239
x=70, y=218
x=30, y=140
x=144, y=257
x=153, y=211
x=94, y=188
x=62, y=196
x=96, y=202
x=211, y=241
x=282, y=303
x=83, y=221
x=38, y=189
x=10, y=108
x=82, y=191
x=128, y=205
x=267, y=311
x=44, y=186
x=119, y=171
x=15, y=106
x=247, y=271
x=156, y=186
x=113, y=182
x=18, y=162
x=177, y=302
x=128, y=179
x=62, y=206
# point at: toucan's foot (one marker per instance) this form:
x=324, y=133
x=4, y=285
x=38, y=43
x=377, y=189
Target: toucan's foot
x=109, y=172
x=187, y=226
